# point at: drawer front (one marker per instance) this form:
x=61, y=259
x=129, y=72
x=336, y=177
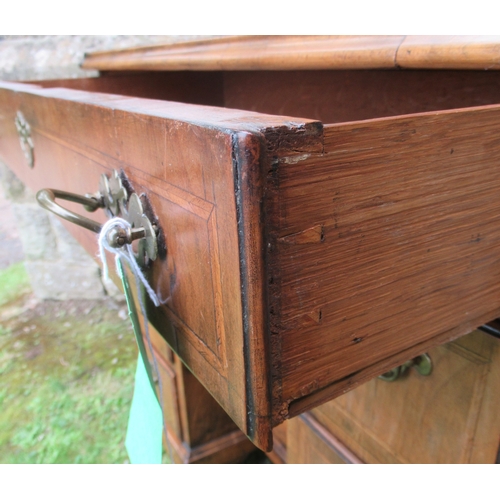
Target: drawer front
x=75, y=142
x=200, y=169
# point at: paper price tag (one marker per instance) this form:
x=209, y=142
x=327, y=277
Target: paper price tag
x=145, y=425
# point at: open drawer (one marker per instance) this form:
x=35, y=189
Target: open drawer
x=303, y=256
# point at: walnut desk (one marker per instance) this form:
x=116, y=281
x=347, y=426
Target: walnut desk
x=328, y=205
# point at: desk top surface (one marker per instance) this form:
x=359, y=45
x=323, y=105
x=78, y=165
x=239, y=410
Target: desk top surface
x=291, y=52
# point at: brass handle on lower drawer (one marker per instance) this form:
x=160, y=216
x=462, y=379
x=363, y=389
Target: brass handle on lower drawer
x=47, y=199
x=422, y=363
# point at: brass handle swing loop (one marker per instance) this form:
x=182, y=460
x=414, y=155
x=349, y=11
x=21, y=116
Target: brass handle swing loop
x=47, y=199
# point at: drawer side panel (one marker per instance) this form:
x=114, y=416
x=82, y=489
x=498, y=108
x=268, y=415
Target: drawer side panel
x=387, y=241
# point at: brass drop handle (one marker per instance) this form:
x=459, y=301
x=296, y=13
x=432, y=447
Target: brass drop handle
x=422, y=363
x=117, y=238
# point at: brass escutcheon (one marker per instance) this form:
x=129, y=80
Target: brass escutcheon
x=112, y=197
x=24, y=132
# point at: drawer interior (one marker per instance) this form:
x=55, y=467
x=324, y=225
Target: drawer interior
x=330, y=96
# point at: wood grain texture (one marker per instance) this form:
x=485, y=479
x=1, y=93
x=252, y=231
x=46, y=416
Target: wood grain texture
x=408, y=254
x=450, y=52
x=346, y=384
x=199, y=430
x=328, y=96
x=255, y=53
x=279, y=453
x=448, y=417
x=183, y=86
x=248, y=188
x=311, y=443
x=76, y=141
x=234, y=53
x=343, y=96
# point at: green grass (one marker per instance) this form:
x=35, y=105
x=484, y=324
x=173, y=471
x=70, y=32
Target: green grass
x=75, y=423
x=67, y=373
x=14, y=283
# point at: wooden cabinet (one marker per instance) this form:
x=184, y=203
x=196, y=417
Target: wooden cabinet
x=302, y=256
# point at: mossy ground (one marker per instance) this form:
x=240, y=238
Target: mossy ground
x=67, y=375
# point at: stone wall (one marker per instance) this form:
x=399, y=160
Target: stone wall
x=46, y=57
x=58, y=267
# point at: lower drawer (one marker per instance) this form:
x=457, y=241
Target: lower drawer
x=297, y=259
x=311, y=443
x=449, y=416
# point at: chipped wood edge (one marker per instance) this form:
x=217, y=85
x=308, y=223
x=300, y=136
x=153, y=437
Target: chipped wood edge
x=247, y=155
x=254, y=155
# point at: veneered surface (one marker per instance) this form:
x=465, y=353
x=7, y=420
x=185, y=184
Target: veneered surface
x=75, y=141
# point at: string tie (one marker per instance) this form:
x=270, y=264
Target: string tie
x=126, y=252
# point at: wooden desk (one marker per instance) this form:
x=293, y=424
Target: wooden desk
x=304, y=256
